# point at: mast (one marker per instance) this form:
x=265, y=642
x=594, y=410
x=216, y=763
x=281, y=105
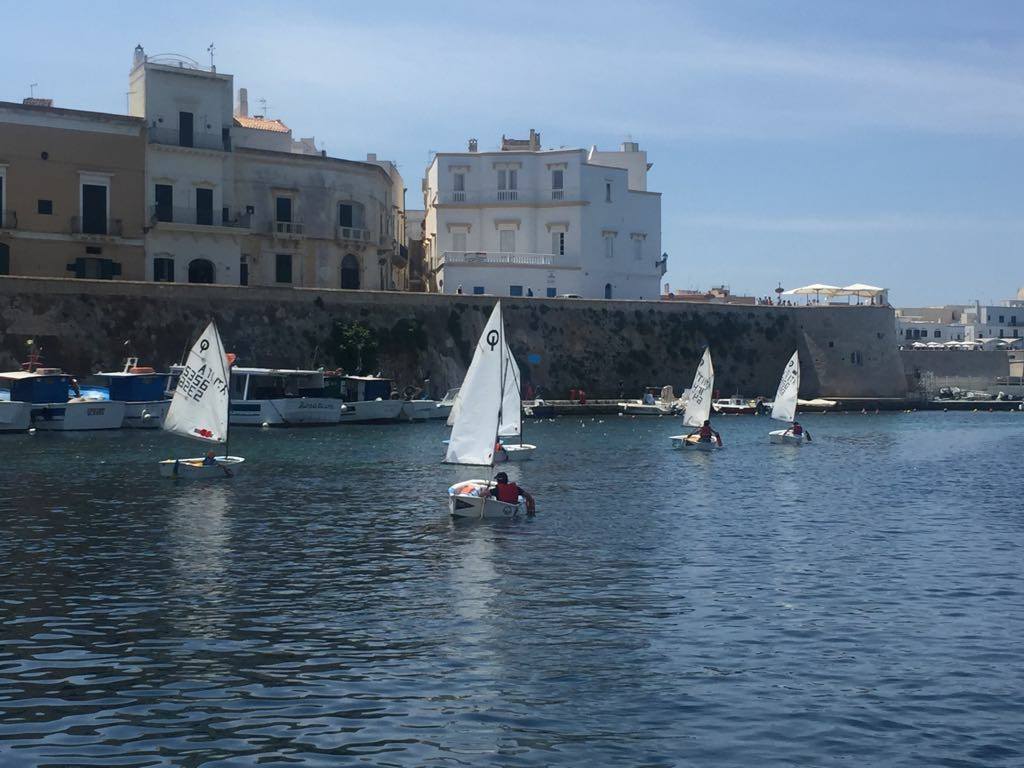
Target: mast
x=227, y=426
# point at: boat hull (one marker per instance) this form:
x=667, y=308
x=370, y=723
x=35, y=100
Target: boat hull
x=515, y=452
x=371, y=411
x=78, y=417
x=15, y=417
x=286, y=411
x=194, y=469
x=424, y=410
x=639, y=409
x=145, y=415
x=474, y=506
x=785, y=437
x=693, y=443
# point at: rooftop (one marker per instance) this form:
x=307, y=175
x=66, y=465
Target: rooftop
x=261, y=124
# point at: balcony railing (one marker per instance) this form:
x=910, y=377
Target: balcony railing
x=508, y=195
x=106, y=227
x=287, y=228
x=498, y=257
x=458, y=196
x=200, y=139
x=494, y=196
x=352, y=234
x=557, y=194
x=196, y=217
x=8, y=220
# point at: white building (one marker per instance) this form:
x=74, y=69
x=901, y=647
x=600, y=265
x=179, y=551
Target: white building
x=232, y=198
x=526, y=221
x=999, y=321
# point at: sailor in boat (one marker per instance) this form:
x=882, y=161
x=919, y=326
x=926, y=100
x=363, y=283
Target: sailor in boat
x=705, y=433
x=509, y=493
x=797, y=431
x=210, y=459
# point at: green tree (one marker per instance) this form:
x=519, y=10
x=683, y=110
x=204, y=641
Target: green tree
x=355, y=347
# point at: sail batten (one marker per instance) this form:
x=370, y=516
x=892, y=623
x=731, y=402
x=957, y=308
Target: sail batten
x=199, y=407
x=479, y=404
x=784, y=407
x=698, y=407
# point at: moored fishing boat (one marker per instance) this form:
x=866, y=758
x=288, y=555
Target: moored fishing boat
x=281, y=397
x=140, y=388
x=199, y=410
x=655, y=402
x=367, y=399
x=735, y=405
x=15, y=416
x=55, y=401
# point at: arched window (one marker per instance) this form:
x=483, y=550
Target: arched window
x=350, y=272
x=200, y=271
x=5, y=259
x=607, y=290
x=163, y=269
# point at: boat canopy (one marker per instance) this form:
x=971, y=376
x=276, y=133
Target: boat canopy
x=30, y=387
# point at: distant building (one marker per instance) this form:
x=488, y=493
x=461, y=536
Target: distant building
x=232, y=198
x=976, y=322
x=717, y=295
x=526, y=221
x=71, y=190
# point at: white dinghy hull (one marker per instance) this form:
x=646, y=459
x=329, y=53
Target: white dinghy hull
x=785, y=437
x=693, y=443
x=515, y=452
x=194, y=469
x=474, y=506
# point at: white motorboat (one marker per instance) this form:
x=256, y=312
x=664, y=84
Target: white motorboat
x=199, y=410
x=282, y=397
x=470, y=499
x=735, y=405
x=14, y=416
x=367, y=399
x=54, y=406
x=665, y=404
x=424, y=410
x=784, y=406
x=698, y=407
x=488, y=403
x=140, y=388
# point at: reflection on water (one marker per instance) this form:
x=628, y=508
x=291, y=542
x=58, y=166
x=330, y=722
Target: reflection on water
x=857, y=600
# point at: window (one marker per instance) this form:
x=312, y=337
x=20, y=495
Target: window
x=558, y=243
x=45, y=207
x=478, y=290
x=5, y=259
x=225, y=215
x=283, y=209
x=459, y=242
x=908, y=333
x=204, y=206
x=185, y=138
x=243, y=270
x=350, y=272
x=458, y=187
x=552, y=292
x=638, y=248
x=200, y=271
x=507, y=241
x=1013, y=319
x=345, y=215
x=1001, y=319
x=164, y=196
x=609, y=246
x=284, y=268
x=557, y=184
x=607, y=290
x=92, y=268
x=508, y=183
x=515, y=290
x=607, y=191
x=163, y=270
x=937, y=334
x=94, y=209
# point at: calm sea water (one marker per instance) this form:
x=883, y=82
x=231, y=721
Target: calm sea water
x=855, y=602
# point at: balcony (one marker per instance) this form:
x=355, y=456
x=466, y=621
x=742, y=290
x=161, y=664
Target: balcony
x=199, y=139
x=8, y=220
x=287, y=229
x=498, y=257
x=167, y=214
x=352, y=234
x=536, y=196
x=98, y=227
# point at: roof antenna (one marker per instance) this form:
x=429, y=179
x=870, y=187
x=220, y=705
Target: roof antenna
x=32, y=90
x=210, y=49
x=264, y=103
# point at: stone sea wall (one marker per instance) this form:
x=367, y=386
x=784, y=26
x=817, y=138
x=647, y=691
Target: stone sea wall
x=928, y=370
x=82, y=326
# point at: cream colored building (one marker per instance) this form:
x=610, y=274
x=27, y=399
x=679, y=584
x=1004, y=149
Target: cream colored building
x=71, y=192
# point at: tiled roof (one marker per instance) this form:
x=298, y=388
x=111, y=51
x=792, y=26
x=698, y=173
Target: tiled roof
x=260, y=124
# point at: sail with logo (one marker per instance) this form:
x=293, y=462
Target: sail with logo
x=698, y=407
x=478, y=419
x=784, y=407
x=199, y=409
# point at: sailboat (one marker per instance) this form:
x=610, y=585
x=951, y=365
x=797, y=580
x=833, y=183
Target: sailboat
x=199, y=409
x=698, y=407
x=784, y=407
x=478, y=417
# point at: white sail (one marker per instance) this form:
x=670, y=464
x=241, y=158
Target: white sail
x=199, y=408
x=511, y=424
x=453, y=414
x=475, y=430
x=784, y=407
x=698, y=408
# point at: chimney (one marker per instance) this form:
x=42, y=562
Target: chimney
x=472, y=145
x=371, y=157
x=139, y=57
x=243, y=102
x=534, y=141
x=630, y=146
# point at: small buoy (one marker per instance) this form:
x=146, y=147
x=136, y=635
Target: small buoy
x=265, y=424
x=32, y=430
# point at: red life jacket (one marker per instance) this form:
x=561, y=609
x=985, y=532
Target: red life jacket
x=705, y=432
x=797, y=429
x=507, y=493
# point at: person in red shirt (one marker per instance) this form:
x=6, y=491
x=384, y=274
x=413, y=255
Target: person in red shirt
x=509, y=493
x=705, y=433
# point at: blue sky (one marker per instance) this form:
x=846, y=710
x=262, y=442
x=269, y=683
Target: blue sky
x=793, y=142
